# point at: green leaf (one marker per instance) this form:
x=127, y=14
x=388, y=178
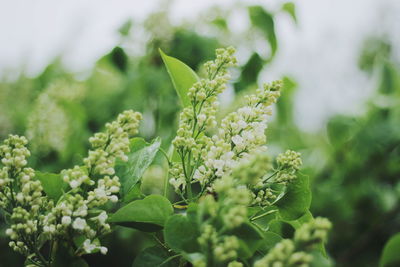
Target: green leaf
x=307, y=217
x=341, y=129
x=139, y=159
x=249, y=240
x=125, y=29
x=181, y=234
x=290, y=8
x=281, y=228
x=264, y=21
x=53, y=185
x=134, y=194
x=263, y=217
x=182, y=76
x=148, y=214
x=269, y=241
x=154, y=256
x=65, y=256
x=249, y=73
x=297, y=199
x=119, y=59
x=320, y=260
x=390, y=255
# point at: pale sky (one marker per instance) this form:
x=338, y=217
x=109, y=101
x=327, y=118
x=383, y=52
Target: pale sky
x=320, y=53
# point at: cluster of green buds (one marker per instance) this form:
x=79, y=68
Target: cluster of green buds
x=21, y=197
x=296, y=252
x=93, y=184
x=217, y=217
x=288, y=164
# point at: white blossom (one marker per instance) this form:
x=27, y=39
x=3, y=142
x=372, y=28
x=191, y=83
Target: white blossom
x=79, y=224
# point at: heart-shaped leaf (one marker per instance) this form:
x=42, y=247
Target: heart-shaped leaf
x=181, y=233
x=297, y=199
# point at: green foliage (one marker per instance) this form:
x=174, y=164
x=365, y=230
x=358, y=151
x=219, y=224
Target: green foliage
x=249, y=239
x=180, y=234
x=182, y=76
x=290, y=8
x=154, y=256
x=52, y=183
x=297, y=200
x=165, y=236
x=139, y=159
x=390, y=255
x=148, y=214
x=264, y=21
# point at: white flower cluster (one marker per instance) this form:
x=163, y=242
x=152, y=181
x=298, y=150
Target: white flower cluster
x=21, y=196
x=241, y=133
x=93, y=184
x=295, y=252
x=89, y=247
x=33, y=215
x=200, y=116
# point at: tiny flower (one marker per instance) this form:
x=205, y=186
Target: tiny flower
x=88, y=247
x=103, y=250
x=102, y=217
x=66, y=220
x=79, y=224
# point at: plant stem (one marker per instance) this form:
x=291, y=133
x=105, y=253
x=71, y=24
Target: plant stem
x=169, y=259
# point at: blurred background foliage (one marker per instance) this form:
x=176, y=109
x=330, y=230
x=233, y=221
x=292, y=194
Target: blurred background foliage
x=354, y=162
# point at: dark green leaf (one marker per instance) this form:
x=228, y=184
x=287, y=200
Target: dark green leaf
x=139, y=159
x=249, y=73
x=263, y=217
x=53, y=185
x=249, y=239
x=269, y=241
x=182, y=76
x=119, y=59
x=148, y=214
x=390, y=256
x=297, y=199
x=281, y=228
x=155, y=256
x=181, y=234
